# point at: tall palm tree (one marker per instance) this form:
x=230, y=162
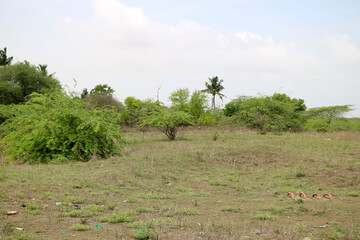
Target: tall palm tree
x=214, y=88
x=4, y=60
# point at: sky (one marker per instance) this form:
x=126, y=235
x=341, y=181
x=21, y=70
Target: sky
x=308, y=49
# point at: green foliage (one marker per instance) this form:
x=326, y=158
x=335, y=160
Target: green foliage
x=4, y=59
x=168, y=121
x=54, y=127
x=102, y=89
x=214, y=88
x=329, y=112
x=323, y=119
x=20, y=80
x=198, y=104
x=180, y=99
x=135, y=109
x=101, y=96
x=275, y=114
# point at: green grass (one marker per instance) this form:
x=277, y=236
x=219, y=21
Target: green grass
x=192, y=187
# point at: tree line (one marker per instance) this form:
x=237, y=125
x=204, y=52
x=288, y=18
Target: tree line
x=40, y=122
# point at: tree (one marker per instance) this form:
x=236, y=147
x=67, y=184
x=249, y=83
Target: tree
x=180, y=99
x=101, y=96
x=198, y=104
x=329, y=112
x=4, y=60
x=102, y=89
x=168, y=121
x=214, y=88
x=20, y=80
x=135, y=109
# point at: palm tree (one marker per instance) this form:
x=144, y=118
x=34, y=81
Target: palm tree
x=214, y=88
x=4, y=60
x=43, y=70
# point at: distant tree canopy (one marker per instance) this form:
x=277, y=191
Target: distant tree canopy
x=102, y=96
x=136, y=109
x=276, y=113
x=20, y=80
x=4, y=59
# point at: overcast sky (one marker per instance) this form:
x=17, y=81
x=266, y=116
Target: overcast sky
x=308, y=49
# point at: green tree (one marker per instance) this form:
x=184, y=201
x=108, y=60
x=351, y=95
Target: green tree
x=4, y=59
x=168, y=121
x=135, y=109
x=198, y=104
x=330, y=112
x=20, y=80
x=101, y=96
x=214, y=88
x=180, y=99
x=102, y=89
x=55, y=127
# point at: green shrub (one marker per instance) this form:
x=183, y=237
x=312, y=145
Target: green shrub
x=55, y=127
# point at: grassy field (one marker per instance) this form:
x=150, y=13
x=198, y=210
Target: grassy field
x=192, y=188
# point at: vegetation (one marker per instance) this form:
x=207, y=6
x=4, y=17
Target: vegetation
x=4, y=59
x=234, y=188
x=55, y=127
x=20, y=80
x=277, y=113
x=214, y=88
x=168, y=121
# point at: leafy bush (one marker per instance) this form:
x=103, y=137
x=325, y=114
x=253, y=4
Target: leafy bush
x=168, y=121
x=274, y=114
x=54, y=127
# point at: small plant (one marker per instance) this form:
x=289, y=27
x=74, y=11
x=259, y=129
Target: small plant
x=120, y=217
x=111, y=206
x=264, y=217
x=352, y=193
x=215, y=136
x=217, y=183
x=80, y=227
x=143, y=234
x=300, y=174
x=229, y=209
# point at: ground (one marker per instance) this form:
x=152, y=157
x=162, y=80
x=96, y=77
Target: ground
x=192, y=188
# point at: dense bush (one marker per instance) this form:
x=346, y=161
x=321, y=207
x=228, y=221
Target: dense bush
x=275, y=114
x=54, y=127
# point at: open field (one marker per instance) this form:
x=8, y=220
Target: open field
x=193, y=188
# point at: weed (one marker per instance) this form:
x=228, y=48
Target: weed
x=229, y=209
x=120, y=217
x=352, y=193
x=154, y=196
x=87, y=211
x=264, y=217
x=80, y=227
x=143, y=210
x=111, y=206
x=217, y=183
x=143, y=234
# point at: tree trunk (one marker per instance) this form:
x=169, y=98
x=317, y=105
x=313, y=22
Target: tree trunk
x=213, y=103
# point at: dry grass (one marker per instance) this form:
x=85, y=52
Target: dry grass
x=193, y=188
